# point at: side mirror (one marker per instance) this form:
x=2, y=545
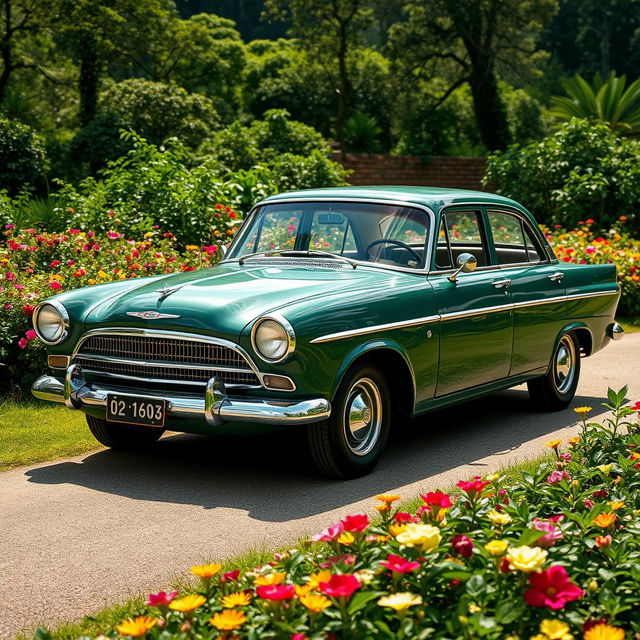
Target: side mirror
x=467, y=263
x=224, y=249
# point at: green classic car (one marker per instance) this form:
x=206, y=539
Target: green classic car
x=343, y=310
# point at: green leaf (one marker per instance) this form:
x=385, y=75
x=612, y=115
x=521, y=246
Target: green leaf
x=509, y=611
x=360, y=600
x=475, y=586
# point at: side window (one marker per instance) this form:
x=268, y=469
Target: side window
x=464, y=233
x=331, y=232
x=443, y=255
x=513, y=240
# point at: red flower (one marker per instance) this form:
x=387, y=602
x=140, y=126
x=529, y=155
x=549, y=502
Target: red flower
x=601, y=493
x=27, y=309
x=463, y=545
x=276, y=592
x=402, y=516
x=399, y=564
x=230, y=576
x=56, y=286
x=54, y=264
x=603, y=541
x=355, y=523
x=437, y=499
x=551, y=588
x=473, y=488
x=22, y=343
x=161, y=599
x=340, y=585
x=636, y=406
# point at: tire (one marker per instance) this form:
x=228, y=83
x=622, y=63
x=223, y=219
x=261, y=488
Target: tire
x=556, y=389
x=126, y=437
x=343, y=448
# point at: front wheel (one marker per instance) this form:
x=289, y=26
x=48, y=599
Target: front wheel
x=116, y=435
x=350, y=442
x=555, y=390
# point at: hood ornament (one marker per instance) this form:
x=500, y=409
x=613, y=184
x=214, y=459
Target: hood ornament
x=151, y=315
x=167, y=291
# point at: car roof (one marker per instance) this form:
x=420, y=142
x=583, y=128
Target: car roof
x=433, y=197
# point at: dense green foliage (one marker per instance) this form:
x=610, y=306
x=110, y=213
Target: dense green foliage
x=582, y=171
x=22, y=157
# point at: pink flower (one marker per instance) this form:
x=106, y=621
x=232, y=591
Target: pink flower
x=161, y=599
x=22, y=343
x=54, y=264
x=552, y=533
x=299, y=636
x=340, y=585
x=557, y=476
x=402, y=516
x=10, y=276
x=276, y=592
x=230, y=576
x=113, y=235
x=56, y=286
x=473, y=488
x=74, y=231
x=437, y=499
x=30, y=335
x=398, y=564
x=463, y=545
x=212, y=248
x=346, y=558
x=551, y=588
x=589, y=504
x=329, y=534
x=355, y=523
x=9, y=226
x=557, y=518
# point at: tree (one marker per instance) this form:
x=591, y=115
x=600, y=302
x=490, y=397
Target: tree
x=330, y=30
x=22, y=157
x=472, y=40
x=611, y=102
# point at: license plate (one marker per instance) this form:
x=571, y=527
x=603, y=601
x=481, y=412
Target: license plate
x=133, y=410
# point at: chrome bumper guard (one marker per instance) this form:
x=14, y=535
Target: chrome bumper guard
x=616, y=331
x=215, y=406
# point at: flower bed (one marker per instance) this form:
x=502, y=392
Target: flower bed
x=36, y=265
x=554, y=554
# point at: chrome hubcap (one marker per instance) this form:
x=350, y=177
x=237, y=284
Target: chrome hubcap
x=363, y=416
x=564, y=364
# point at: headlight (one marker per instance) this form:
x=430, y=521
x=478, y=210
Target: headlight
x=273, y=339
x=51, y=322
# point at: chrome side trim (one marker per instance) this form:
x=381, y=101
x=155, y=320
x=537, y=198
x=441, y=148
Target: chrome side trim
x=340, y=335
x=214, y=405
x=374, y=329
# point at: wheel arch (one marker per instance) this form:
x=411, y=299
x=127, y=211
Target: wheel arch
x=583, y=334
x=389, y=357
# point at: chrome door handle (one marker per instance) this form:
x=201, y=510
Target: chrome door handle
x=501, y=284
x=557, y=276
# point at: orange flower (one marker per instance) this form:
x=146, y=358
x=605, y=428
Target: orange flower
x=605, y=520
x=206, y=570
x=634, y=455
x=188, y=603
x=387, y=498
x=135, y=627
x=270, y=579
x=573, y=441
x=237, y=599
x=228, y=620
x=315, y=602
x=553, y=444
x=616, y=504
x=315, y=579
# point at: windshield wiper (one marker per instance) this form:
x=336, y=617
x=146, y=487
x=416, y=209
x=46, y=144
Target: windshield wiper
x=294, y=252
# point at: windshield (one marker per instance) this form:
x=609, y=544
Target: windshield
x=385, y=234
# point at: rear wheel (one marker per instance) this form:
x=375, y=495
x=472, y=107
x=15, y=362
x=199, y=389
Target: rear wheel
x=123, y=436
x=350, y=442
x=555, y=390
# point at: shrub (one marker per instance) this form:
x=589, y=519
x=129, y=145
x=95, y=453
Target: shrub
x=35, y=266
x=548, y=554
x=584, y=245
x=582, y=171
x=22, y=158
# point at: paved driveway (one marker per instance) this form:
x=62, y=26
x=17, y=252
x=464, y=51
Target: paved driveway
x=80, y=533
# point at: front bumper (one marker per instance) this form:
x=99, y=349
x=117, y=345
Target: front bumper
x=215, y=406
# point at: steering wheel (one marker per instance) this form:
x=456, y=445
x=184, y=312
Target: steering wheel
x=404, y=246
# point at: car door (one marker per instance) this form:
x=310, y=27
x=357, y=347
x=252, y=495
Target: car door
x=535, y=286
x=476, y=328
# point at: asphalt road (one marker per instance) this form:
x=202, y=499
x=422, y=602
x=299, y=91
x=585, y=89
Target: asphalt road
x=81, y=533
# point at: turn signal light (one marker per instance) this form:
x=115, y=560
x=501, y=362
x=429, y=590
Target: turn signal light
x=59, y=362
x=281, y=383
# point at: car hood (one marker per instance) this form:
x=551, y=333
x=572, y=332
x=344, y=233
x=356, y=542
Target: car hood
x=223, y=300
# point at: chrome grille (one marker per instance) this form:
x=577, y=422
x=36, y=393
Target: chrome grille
x=171, y=360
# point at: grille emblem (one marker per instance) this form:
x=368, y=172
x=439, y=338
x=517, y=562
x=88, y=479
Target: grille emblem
x=151, y=315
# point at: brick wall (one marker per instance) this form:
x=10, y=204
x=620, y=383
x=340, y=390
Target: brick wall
x=438, y=171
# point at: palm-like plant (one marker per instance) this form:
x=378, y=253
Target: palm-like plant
x=610, y=101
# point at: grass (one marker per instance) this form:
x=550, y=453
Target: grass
x=108, y=617
x=630, y=325
x=32, y=431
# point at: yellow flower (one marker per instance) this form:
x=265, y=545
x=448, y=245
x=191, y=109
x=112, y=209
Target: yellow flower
x=582, y=411
x=346, y=538
x=499, y=518
x=424, y=536
x=303, y=589
x=604, y=632
x=149, y=234
x=135, y=627
x=188, y=603
x=493, y=477
x=539, y=636
x=206, y=570
x=92, y=281
x=605, y=520
x=192, y=247
x=604, y=468
x=387, y=498
x=237, y=599
x=102, y=274
x=553, y=444
x=315, y=579
x=555, y=629
x=228, y=620
x=315, y=602
x=573, y=441
x=526, y=559
x=474, y=608
x=496, y=547
x=270, y=578
x=400, y=601
x=616, y=504
x=396, y=528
